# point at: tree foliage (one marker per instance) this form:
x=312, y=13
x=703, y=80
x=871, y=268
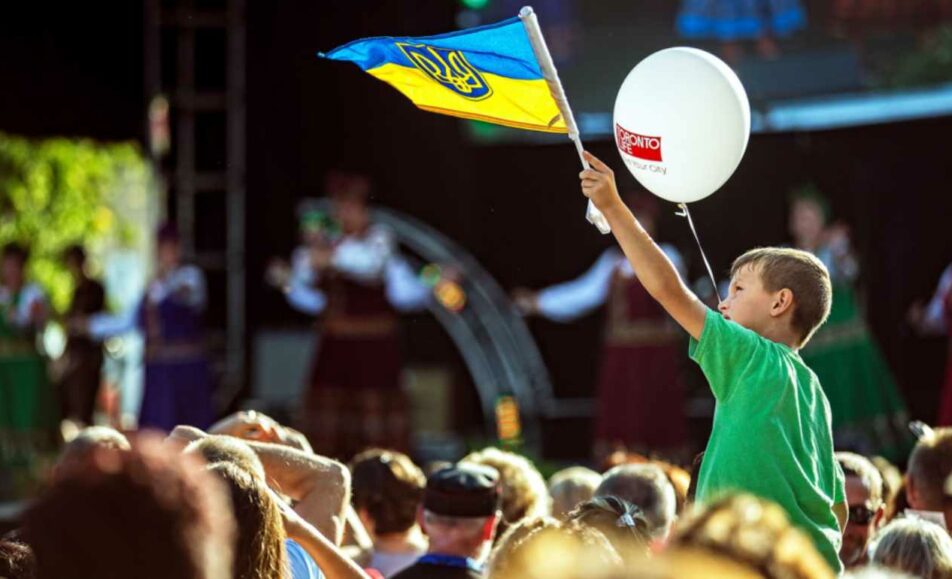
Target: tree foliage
x=57, y=192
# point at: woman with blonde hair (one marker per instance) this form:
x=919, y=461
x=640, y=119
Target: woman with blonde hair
x=524, y=493
x=260, y=548
x=915, y=546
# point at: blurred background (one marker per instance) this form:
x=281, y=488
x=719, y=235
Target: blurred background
x=218, y=117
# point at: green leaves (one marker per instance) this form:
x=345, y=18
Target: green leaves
x=57, y=192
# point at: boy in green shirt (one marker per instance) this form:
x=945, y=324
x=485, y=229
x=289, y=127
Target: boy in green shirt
x=772, y=426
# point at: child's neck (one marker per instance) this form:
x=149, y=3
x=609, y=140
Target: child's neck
x=779, y=331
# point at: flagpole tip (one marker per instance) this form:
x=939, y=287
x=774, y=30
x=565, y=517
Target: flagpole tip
x=526, y=12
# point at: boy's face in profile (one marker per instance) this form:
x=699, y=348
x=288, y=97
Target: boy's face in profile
x=748, y=303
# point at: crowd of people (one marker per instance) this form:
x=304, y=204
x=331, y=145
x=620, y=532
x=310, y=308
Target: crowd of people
x=797, y=479
x=250, y=499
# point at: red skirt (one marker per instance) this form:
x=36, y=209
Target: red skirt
x=354, y=400
x=641, y=399
x=945, y=410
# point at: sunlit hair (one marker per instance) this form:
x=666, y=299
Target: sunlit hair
x=862, y=468
x=570, y=487
x=930, y=464
x=876, y=572
x=87, y=440
x=226, y=449
x=148, y=513
x=547, y=548
x=622, y=523
x=259, y=551
x=524, y=493
x=800, y=272
x=389, y=487
x=915, y=546
x=679, y=477
x=16, y=561
x=755, y=533
x=648, y=488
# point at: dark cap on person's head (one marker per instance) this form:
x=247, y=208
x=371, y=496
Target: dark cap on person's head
x=463, y=490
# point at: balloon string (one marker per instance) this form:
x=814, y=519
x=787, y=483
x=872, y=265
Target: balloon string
x=685, y=213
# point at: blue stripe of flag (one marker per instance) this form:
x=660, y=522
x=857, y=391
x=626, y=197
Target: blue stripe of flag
x=502, y=49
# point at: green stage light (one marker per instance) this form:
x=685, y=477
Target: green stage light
x=475, y=4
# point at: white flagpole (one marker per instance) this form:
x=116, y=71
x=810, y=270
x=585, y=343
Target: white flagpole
x=531, y=23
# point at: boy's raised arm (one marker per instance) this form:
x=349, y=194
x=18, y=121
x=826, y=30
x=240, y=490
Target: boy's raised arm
x=651, y=265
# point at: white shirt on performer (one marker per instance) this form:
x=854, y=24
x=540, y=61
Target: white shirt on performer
x=573, y=299
x=368, y=259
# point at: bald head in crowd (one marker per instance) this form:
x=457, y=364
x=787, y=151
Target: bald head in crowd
x=647, y=487
x=930, y=464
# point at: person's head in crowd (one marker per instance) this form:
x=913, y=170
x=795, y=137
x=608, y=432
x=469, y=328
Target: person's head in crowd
x=13, y=258
x=550, y=549
x=16, y=560
x=890, y=474
x=622, y=523
x=514, y=536
x=648, y=488
x=755, y=533
x=524, y=493
x=875, y=572
x=915, y=546
x=349, y=193
x=460, y=510
x=387, y=490
x=864, y=498
x=785, y=289
x=679, y=478
x=168, y=248
x=930, y=464
x=149, y=512
x=892, y=485
x=87, y=440
x=693, y=563
x=216, y=449
x=74, y=258
x=570, y=487
x=260, y=549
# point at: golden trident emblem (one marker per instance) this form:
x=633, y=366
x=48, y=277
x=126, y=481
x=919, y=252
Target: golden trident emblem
x=449, y=68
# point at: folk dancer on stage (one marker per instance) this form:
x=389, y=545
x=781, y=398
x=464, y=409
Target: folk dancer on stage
x=641, y=395
x=83, y=357
x=348, y=273
x=936, y=318
x=178, y=382
x=27, y=403
x=869, y=415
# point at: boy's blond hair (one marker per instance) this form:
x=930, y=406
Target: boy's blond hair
x=800, y=272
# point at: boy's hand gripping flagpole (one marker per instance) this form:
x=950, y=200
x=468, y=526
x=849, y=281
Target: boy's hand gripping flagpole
x=531, y=23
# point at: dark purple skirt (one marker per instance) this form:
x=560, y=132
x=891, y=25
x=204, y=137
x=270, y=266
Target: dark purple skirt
x=177, y=392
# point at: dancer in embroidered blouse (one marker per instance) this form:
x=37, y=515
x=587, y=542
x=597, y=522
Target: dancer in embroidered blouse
x=348, y=273
x=178, y=384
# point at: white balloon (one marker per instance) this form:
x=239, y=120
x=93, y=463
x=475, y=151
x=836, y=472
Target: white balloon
x=682, y=121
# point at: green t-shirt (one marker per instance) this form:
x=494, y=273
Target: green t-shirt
x=772, y=435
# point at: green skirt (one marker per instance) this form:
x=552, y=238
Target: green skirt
x=28, y=420
x=869, y=415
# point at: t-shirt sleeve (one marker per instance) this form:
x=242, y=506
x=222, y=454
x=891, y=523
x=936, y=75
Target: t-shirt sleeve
x=839, y=484
x=725, y=352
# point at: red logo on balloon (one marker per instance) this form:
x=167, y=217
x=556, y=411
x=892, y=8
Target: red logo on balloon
x=641, y=146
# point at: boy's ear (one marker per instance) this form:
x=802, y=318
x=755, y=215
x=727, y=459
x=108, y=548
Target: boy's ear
x=782, y=302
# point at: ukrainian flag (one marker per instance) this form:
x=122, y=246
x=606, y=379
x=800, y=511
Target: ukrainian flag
x=489, y=73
